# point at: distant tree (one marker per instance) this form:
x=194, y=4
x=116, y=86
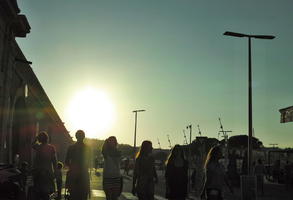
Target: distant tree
x=208, y=143
x=241, y=142
x=126, y=150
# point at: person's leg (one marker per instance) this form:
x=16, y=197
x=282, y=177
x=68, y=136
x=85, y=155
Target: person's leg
x=151, y=197
x=262, y=185
x=59, y=187
x=108, y=194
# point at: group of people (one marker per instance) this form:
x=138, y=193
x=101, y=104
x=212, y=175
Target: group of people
x=78, y=160
x=176, y=174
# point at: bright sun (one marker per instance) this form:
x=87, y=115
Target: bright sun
x=92, y=111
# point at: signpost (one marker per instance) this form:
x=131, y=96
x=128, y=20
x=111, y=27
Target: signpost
x=286, y=114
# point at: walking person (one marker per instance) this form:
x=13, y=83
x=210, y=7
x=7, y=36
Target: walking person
x=24, y=174
x=145, y=175
x=288, y=176
x=112, y=179
x=78, y=159
x=44, y=167
x=259, y=171
x=58, y=175
x=215, y=176
x=126, y=166
x=176, y=175
x=276, y=171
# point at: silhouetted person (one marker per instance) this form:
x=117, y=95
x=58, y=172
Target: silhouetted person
x=44, y=166
x=193, y=178
x=245, y=163
x=96, y=163
x=232, y=168
x=78, y=160
x=215, y=176
x=24, y=173
x=288, y=171
x=144, y=175
x=58, y=175
x=276, y=171
x=112, y=181
x=259, y=171
x=176, y=175
x=126, y=166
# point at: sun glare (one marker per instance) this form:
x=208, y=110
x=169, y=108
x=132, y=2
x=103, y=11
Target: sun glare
x=92, y=111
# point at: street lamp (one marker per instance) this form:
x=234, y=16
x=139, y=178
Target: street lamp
x=135, y=125
x=267, y=37
x=190, y=132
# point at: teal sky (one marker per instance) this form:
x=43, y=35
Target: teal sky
x=169, y=57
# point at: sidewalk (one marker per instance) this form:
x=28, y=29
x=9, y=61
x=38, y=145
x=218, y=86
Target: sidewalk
x=272, y=191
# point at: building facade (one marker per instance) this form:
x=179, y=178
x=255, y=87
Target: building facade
x=25, y=109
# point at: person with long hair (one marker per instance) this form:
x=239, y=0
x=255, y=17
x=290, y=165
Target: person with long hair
x=144, y=175
x=44, y=167
x=78, y=159
x=176, y=175
x=112, y=179
x=215, y=175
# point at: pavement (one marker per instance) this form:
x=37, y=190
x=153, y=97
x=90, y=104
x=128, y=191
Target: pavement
x=272, y=191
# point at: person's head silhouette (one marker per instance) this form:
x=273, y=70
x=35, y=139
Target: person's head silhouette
x=80, y=135
x=43, y=137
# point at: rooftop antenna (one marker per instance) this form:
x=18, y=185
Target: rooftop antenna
x=185, y=139
x=199, y=132
x=274, y=145
x=159, y=143
x=169, y=141
x=225, y=135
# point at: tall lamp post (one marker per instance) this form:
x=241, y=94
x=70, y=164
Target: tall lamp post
x=267, y=37
x=135, y=127
x=190, y=133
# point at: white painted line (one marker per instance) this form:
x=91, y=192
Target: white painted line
x=94, y=193
x=159, y=197
x=98, y=193
x=129, y=196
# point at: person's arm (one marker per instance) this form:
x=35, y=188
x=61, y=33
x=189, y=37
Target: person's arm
x=35, y=143
x=90, y=160
x=68, y=157
x=167, y=171
x=155, y=173
x=203, y=189
x=135, y=175
x=54, y=159
x=228, y=183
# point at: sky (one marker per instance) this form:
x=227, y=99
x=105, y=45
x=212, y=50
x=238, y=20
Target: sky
x=169, y=57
